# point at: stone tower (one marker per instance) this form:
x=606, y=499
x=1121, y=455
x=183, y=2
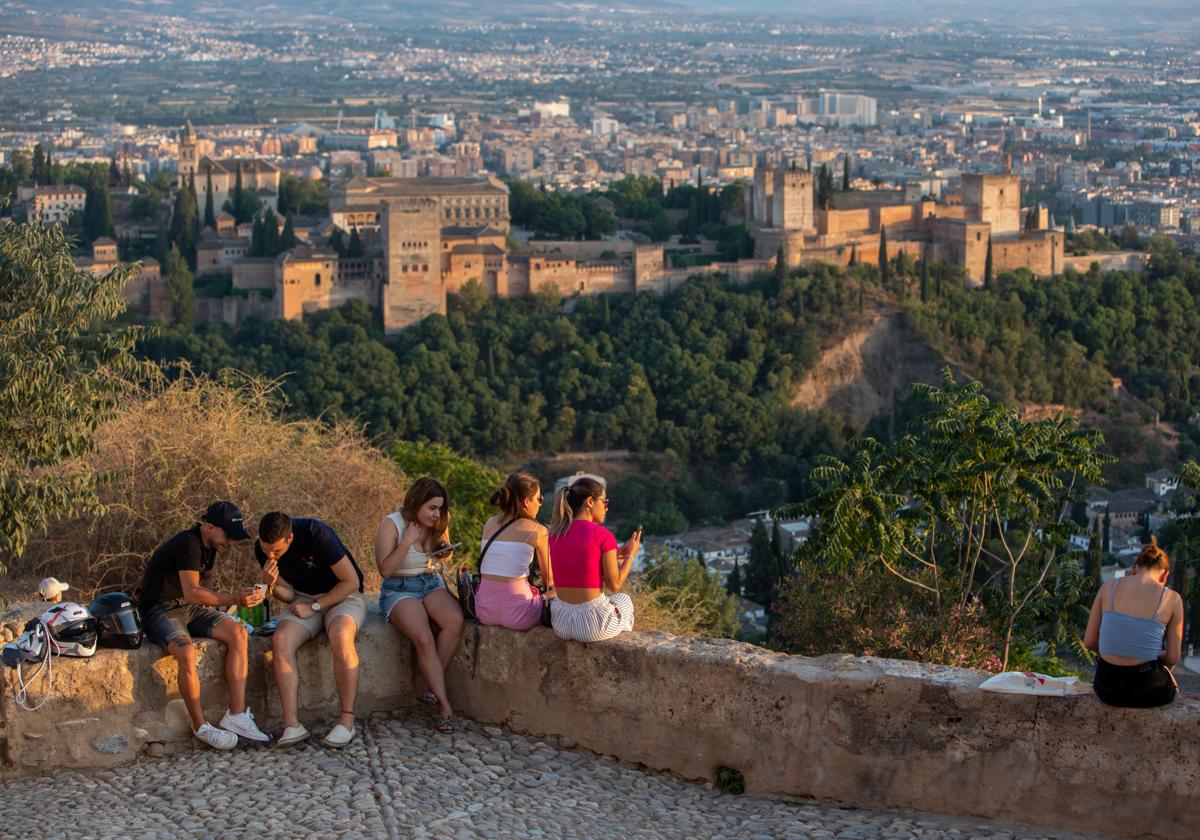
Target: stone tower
x=189, y=155
x=998, y=199
x=412, y=287
x=792, y=201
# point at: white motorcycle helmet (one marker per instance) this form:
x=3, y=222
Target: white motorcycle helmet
x=73, y=631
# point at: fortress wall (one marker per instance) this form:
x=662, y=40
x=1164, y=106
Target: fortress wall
x=871, y=732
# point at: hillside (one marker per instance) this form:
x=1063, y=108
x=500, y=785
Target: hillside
x=860, y=377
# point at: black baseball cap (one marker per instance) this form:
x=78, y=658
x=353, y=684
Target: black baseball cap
x=227, y=517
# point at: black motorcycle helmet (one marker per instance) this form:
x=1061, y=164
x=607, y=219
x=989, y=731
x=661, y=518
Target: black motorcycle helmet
x=119, y=619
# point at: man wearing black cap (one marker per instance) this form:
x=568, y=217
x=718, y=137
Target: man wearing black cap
x=177, y=603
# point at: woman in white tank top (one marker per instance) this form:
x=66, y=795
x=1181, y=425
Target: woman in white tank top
x=505, y=597
x=409, y=547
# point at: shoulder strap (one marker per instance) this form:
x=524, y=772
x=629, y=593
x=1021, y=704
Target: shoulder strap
x=1158, y=606
x=1112, y=601
x=492, y=539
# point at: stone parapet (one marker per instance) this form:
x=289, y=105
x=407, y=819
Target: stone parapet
x=872, y=732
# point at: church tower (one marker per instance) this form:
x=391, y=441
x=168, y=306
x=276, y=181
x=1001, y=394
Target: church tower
x=189, y=157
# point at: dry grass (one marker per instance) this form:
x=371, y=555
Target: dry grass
x=678, y=616
x=173, y=448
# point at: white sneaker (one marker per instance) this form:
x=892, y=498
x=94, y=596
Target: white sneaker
x=245, y=726
x=218, y=739
x=338, y=737
x=292, y=735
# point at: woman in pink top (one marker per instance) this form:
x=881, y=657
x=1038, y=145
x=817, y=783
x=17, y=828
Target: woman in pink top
x=584, y=558
x=512, y=539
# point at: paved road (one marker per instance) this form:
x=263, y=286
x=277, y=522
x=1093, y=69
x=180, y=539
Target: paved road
x=404, y=780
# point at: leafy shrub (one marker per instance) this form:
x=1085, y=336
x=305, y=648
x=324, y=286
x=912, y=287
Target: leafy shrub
x=682, y=597
x=169, y=450
x=872, y=613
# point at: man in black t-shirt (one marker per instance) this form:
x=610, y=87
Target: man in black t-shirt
x=177, y=603
x=307, y=567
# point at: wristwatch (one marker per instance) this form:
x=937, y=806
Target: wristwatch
x=316, y=605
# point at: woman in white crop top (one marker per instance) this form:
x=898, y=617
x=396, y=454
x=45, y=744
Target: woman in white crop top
x=505, y=596
x=409, y=547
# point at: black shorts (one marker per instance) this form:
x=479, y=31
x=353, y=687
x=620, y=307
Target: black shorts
x=1134, y=686
x=170, y=620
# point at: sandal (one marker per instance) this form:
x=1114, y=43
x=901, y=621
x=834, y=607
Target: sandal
x=429, y=698
x=446, y=725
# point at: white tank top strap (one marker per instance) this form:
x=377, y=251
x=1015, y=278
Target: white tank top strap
x=416, y=562
x=398, y=521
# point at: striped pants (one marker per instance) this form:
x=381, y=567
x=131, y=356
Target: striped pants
x=600, y=618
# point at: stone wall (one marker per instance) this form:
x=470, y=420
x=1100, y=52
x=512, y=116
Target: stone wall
x=877, y=733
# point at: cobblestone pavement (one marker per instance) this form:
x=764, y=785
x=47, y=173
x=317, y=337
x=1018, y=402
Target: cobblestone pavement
x=404, y=780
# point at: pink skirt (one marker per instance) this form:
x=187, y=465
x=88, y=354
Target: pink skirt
x=513, y=604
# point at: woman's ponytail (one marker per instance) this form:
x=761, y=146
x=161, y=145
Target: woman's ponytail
x=562, y=515
x=569, y=500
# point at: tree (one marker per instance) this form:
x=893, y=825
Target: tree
x=824, y=187
x=884, y=278
x=733, y=584
x=38, y=168
x=968, y=505
x=689, y=593
x=1031, y=218
x=272, y=244
x=185, y=221
x=987, y=265
x=242, y=204
x=846, y=173
x=354, y=248
x=97, y=207
x=177, y=278
x=210, y=216
x=288, y=240
x=337, y=243
x=761, y=568
x=781, y=266
x=61, y=378
x=925, y=274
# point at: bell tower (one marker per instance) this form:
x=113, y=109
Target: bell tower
x=189, y=158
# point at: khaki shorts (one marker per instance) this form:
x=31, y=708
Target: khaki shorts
x=353, y=605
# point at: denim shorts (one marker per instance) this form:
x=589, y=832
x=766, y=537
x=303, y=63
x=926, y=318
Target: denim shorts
x=396, y=589
x=167, y=621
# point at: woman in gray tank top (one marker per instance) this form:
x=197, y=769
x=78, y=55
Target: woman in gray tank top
x=1136, y=626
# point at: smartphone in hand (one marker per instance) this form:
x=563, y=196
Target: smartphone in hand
x=444, y=550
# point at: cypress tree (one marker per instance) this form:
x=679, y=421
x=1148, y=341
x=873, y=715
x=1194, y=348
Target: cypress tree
x=337, y=243
x=236, y=200
x=272, y=244
x=761, y=567
x=846, y=173
x=39, y=164
x=924, y=274
x=884, y=276
x=780, y=264
x=178, y=282
x=184, y=221
x=257, y=245
x=853, y=254
x=210, y=216
x=288, y=241
x=733, y=584
x=987, y=265
x=97, y=207
x=354, y=248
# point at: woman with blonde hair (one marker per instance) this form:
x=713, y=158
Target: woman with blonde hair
x=510, y=541
x=584, y=558
x=1136, y=626
x=409, y=545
